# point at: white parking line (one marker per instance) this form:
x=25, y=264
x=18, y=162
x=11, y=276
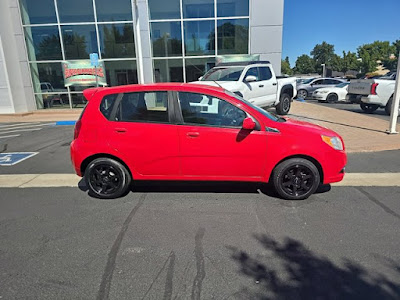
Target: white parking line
x=9, y=136
x=20, y=130
x=24, y=127
x=72, y=180
x=18, y=124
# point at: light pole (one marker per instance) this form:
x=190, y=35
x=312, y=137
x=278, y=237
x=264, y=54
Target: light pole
x=323, y=70
x=396, y=102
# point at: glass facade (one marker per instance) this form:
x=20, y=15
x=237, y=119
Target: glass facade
x=185, y=38
x=59, y=30
x=187, y=35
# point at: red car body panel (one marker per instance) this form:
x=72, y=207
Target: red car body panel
x=155, y=151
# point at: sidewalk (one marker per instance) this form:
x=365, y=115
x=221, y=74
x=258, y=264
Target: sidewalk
x=361, y=133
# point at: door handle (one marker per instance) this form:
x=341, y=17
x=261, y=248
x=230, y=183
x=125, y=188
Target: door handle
x=274, y=83
x=193, y=134
x=120, y=130
x=261, y=85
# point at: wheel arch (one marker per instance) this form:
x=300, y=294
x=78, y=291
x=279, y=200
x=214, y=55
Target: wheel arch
x=288, y=89
x=88, y=159
x=310, y=158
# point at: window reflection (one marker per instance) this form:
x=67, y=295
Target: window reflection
x=121, y=72
x=117, y=40
x=199, y=37
x=233, y=36
x=197, y=67
x=38, y=11
x=162, y=9
x=52, y=101
x=43, y=43
x=198, y=8
x=166, y=38
x=47, y=77
x=75, y=11
x=232, y=8
x=168, y=70
x=79, y=41
x=107, y=10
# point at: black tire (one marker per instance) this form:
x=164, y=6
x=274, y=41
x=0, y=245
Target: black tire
x=107, y=178
x=302, y=94
x=296, y=179
x=332, y=98
x=284, y=104
x=369, y=108
x=388, y=107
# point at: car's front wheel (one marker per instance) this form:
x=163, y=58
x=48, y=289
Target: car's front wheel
x=296, y=179
x=332, y=98
x=107, y=178
x=369, y=108
x=284, y=104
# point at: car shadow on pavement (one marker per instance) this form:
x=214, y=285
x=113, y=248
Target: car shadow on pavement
x=289, y=270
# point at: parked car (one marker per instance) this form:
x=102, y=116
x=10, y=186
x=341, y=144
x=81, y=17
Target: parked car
x=306, y=89
x=331, y=94
x=256, y=82
x=160, y=132
x=372, y=94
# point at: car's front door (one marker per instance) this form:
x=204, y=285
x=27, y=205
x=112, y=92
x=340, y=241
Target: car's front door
x=255, y=89
x=317, y=84
x=212, y=143
x=141, y=131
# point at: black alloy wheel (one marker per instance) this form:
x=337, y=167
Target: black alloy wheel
x=107, y=178
x=284, y=104
x=332, y=98
x=369, y=108
x=296, y=179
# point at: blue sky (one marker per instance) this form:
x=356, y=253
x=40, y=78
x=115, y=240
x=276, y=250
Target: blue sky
x=346, y=24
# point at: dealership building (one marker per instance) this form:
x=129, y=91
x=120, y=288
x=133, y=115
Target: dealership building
x=45, y=45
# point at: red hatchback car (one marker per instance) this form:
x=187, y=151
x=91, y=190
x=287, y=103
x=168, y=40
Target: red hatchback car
x=200, y=133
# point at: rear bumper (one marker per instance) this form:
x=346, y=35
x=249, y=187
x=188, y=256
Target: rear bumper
x=372, y=99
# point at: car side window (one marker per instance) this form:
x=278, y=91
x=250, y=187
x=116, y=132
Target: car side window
x=265, y=73
x=143, y=107
x=318, y=82
x=253, y=72
x=107, y=105
x=200, y=109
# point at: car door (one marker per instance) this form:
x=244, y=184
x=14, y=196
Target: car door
x=213, y=144
x=142, y=132
x=317, y=84
x=268, y=84
x=255, y=89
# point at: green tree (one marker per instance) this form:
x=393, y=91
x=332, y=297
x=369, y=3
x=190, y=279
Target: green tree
x=285, y=67
x=372, y=53
x=304, y=65
x=391, y=62
x=323, y=54
x=350, y=62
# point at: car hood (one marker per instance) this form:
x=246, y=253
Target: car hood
x=228, y=85
x=299, y=126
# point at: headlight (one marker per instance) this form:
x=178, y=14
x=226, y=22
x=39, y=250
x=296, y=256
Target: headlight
x=333, y=141
x=323, y=92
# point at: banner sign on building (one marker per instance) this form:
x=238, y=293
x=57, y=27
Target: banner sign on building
x=236, y=58
x=81, y=72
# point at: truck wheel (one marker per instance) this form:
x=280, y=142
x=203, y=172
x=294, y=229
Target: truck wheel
x=388, y=107
x=296, y=179
x=369, y=108
x=284, y=104
x=332, y=98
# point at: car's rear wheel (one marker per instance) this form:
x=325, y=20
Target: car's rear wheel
x=296, y=179
x=388, y=107
x=107, y=178
x=369, y=108
x=303, y=94
x=332, y=98
x=283, y=106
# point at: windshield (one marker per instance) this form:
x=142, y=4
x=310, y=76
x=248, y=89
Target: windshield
x=223, y=74
x=268, y=114
x=342, y=85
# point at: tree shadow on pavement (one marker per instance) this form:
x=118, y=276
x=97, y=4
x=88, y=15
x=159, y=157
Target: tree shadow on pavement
x=291, y=271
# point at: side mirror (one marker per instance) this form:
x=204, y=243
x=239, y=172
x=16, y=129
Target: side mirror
x=250, y=78
x=200, y=78
x=248, y=124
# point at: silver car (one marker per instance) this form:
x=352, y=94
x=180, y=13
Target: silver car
x=306, y=88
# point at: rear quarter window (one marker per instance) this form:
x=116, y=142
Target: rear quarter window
x=107, y=105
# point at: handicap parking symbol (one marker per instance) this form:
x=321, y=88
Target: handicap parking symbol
x=10, y=159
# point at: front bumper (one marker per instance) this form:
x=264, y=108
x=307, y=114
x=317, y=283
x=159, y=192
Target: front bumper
x=334, y=170
x=319, y=96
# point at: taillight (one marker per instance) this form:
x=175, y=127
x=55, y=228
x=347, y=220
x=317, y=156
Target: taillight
x=77, y=128
x=373, y=88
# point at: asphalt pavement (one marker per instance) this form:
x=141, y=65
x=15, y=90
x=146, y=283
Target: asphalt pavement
x=195, y=240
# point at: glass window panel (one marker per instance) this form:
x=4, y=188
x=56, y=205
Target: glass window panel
x=78, y=100
x=197, y=67
x=107, y=10
x=75, y=11
x=166, y=38
x=161, y=9
x=198, y=8
x=168, y=70
x=233, y=36
x=43, y=43
x=47, y=78
x=79, y=41
x=38, y=11
x=199, y=37
x=121, y=72
x=232, y=8
x=52, y=101
x=117, y=40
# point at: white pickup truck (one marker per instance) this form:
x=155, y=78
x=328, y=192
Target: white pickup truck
x=256, y=82
x=372, y=94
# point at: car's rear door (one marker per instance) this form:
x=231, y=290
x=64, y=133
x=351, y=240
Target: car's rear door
x=213, y=145
x=142, y=132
